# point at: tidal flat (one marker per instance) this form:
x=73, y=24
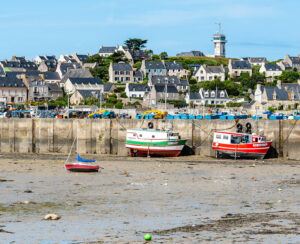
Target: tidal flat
x=176, y=200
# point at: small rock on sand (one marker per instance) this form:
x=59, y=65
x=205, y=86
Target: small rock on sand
x=52, y=217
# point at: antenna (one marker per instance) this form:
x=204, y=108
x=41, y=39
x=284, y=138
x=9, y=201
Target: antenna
x=219, y=24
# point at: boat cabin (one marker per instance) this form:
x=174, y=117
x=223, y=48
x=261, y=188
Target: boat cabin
x=238, y=138
x=152, y=134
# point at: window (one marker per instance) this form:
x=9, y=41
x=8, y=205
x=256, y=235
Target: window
x=140, y=135
x=127, y=72
x=127, y=79
x=153, y=136
x=210, y=78
x=16, y=92
x=218, y=136
x=225, y=137
x=213, y=94
x=116, y=78
x=206, y=94
x=20, y=99
x=121, y=73
x=202, y=77
x=116, y=72
x=222, y=94
x=201, y=72
x=8, y=92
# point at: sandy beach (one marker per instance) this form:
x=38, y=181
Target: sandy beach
x=181, y=200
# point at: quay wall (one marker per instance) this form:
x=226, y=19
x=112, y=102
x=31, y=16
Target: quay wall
x=107, y=136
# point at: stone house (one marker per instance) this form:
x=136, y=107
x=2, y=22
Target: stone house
x=54, y=91
x=136, y=90
x=153, y=68
x=293, y=62
x=107, y=51
x=282, y=94
x=81, y=58
x=120, y=72
x=208, y=97
x=138, y=76
x=80, y=95
x=73, y=84
x=257, y=61
x=270, y=70
x=40, y=59
x=164, y=68
x=12, y=90
x=209, y=73
x=181, y=85
x=158, y=93
x=237, y=67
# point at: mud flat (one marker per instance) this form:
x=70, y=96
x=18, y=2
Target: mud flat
x=182, y=200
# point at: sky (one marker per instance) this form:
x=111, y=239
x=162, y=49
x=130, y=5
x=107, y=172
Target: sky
x=253, y=28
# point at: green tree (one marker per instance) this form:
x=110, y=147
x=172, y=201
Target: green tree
x=119, y=105
x=96, y=59
x=163, y=55
x=289, y=76
x=100, y=72
x=118, y=57
x=135, y=43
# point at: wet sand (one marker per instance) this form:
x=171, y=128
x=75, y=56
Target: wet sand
x=182, y=200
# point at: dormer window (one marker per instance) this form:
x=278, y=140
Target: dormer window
x=206, y=94
x=222, y=94
x=213, y=94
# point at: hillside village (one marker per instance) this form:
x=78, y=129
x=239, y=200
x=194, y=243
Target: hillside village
x=132, y=76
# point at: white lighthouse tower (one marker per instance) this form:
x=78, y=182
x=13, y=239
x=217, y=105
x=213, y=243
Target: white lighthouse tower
x=219, y=40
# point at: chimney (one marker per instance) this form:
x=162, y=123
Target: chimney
x=279, y=84
x=298, y=81
x=258, y=87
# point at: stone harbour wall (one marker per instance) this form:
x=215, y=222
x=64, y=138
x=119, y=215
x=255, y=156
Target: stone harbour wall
x=107, y=137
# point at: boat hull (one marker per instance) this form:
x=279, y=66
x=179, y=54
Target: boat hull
x=247, y=150
x=156, y=149
x=82, y=168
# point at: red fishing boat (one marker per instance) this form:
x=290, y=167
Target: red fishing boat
x=239, y=144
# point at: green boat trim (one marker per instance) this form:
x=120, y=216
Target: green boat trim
x=162, y=143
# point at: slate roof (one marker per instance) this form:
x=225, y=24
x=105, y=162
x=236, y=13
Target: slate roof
x=138, y=87
x=214, y=69
x=210, y=94
x=239, y=64
x=138, y=74
x=10, y=81
x=161, y=79
x=283, y=94
x=295, y=60
x=170, y=88
x=53, y=87
x=121, y=67
x=173, y=65
x=107, y=87
x=107, y=49
x=195, y=96
x=82, y=57
x=15, y=64
x=64, y=67
x=257, y=60
x=48, y=75
x=272, y=67
x=88, y=93
x=76, y=73
x=86, y=81
x=154, y=65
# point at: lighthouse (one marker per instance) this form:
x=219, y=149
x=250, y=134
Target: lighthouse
x=219, y=41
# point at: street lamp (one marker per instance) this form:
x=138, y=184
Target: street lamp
x=166, y=91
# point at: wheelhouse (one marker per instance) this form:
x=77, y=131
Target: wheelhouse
x=238, y=138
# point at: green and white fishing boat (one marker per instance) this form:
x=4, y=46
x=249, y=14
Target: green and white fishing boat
x=152, y=142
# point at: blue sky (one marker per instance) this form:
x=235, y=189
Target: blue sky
x=253, y=28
